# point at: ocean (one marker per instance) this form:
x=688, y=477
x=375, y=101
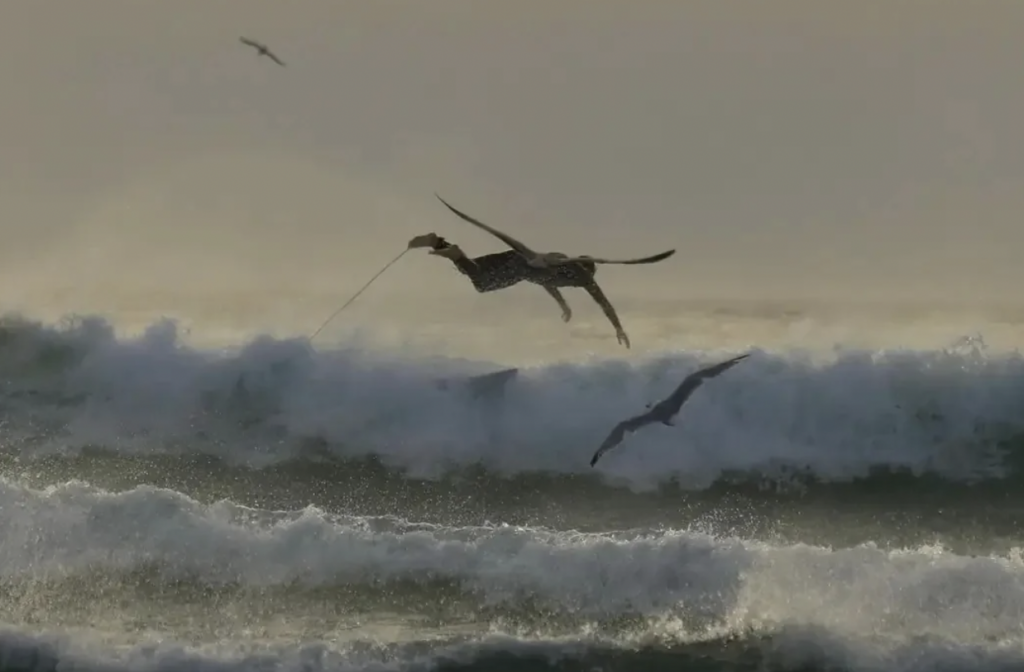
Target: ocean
x=264, y=503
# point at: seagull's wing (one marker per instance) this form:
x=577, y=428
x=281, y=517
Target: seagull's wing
x=695, y=379
x=274, y=58
x=251, y=43
x=503, y=237
x=619, y=432
x=654, y=258
x=721, y=367
x=614, y=438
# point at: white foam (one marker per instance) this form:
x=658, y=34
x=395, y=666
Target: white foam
x=729, y=583
x=835, y=415
x=792, y=648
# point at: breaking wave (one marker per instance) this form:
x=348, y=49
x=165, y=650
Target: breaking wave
x=953, y=414
x=274, y=506
x=629, y=595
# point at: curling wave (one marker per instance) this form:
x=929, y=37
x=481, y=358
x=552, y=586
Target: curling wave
x=627, y=588
x=952, y=413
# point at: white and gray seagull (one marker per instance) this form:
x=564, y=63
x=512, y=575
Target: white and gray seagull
x=262, y=49
x=666, y=409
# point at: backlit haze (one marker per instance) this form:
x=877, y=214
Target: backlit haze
x=847, y=153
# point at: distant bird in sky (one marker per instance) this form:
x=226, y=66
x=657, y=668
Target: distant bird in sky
x=262, y=49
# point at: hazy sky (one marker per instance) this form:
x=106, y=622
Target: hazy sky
x=868, y=148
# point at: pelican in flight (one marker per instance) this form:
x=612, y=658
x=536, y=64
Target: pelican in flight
x=262, y=49
x=549, y=259
x=666, y=409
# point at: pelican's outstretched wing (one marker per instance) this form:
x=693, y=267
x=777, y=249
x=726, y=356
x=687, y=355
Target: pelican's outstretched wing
x=503, y=237
x=654, y=258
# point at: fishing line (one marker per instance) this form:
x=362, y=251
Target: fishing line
x=356, y=295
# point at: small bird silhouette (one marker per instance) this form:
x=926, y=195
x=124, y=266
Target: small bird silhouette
x=664, y=410
x=262, y=49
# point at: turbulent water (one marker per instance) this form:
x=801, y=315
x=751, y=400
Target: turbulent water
x=275, y=506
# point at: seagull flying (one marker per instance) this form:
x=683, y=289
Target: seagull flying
x=262, y=49
x=664, y=410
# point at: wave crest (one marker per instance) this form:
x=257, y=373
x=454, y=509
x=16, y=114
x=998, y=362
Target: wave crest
x=953, y=412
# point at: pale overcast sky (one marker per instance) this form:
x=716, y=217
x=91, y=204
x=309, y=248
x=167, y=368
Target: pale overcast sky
x=860, y=148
